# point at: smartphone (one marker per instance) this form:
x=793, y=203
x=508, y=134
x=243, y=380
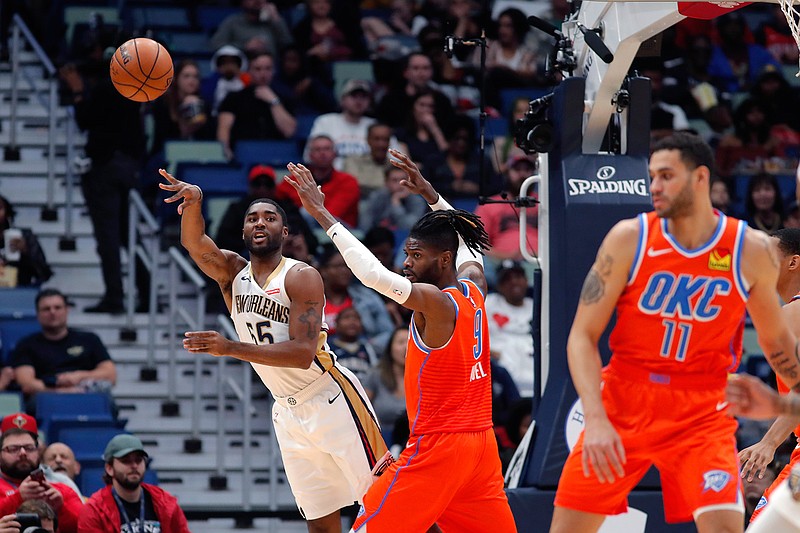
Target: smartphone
x=27, y=520
x=38, y=475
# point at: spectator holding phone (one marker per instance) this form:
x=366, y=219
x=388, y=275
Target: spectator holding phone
x=19, y=459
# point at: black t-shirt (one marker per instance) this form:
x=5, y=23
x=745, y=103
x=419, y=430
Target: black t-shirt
x=253, y=116
x=79, y=350
x=151, y=521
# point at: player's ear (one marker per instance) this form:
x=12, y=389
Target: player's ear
x=446, y=259
x=794, y=262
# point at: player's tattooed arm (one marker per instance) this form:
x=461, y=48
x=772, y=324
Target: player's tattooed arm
x=311, y=319
x=595, y=283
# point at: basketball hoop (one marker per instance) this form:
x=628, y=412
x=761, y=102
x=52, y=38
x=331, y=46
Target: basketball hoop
x=792, y=17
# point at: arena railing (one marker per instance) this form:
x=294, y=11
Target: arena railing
x=178, y=264
x=19, y=33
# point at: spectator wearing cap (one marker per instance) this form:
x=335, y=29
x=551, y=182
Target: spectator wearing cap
x=509, y=311
x=349, y=127
x=393, y=206
x=228, y=75
x=19, y=456
x=60, y=358
x=260, y=184
x=127, y=501
x=501, y=220
x=258, y=26
x=341, y=190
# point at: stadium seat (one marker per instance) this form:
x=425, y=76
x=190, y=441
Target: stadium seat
x=88, y=444
x=215, y=178
x=184, y=43
x=11, y=331
x=18, y=302
x=56, y=411
x=274, y=153
x=304, y=124
x=90, y=480
x=193, y=152
x=10, y=403
x=209, y=17
x=158, y=17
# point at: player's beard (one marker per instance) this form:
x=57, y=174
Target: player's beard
x=264, y=250
x=681, y=204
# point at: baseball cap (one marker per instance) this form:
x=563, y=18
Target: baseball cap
x=121, y=445
x=20, y=421
x=356, y=85
x=508, y=266
x=259, y=171
x=519, y=158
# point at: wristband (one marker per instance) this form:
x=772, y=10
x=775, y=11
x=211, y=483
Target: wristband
x=440, y=205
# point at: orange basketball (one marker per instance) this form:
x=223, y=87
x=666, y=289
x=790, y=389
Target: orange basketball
x=141, y=69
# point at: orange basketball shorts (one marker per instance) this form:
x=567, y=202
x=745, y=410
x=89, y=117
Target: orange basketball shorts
x=451, y=479
x=685, y=433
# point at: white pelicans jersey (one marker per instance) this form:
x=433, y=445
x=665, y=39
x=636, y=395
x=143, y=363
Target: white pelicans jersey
x=261, y=316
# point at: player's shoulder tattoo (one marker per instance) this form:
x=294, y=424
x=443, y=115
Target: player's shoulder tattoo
x=594, y=286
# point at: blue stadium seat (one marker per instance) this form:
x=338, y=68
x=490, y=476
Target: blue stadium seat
x=184, y=43
x=19, y=302
x=90, y=479
x=274, y=153
x=304, y=124
x=88, y=444
x=12, y=330
x=57, y=411
x=215, y=178
x=156, y=17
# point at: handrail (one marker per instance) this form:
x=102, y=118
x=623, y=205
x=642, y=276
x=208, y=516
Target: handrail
x=245, y=395
x=20, y=30
x=178, y=261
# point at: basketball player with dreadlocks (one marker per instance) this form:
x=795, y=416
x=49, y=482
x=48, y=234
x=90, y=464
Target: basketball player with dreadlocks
x=449, y=474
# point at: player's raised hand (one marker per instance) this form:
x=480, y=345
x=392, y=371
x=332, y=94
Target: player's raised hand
x=210, y=342
x=190, y=194
x=752, y=398
x=307, y=188
x=754, y=460
x=603, y=451
x=414, y=181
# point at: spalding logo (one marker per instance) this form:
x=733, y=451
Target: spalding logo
x=126, y=56
x=604, y=173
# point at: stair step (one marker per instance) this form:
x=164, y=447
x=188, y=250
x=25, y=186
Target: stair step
x=193, y=493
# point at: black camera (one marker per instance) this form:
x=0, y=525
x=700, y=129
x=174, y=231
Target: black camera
x=534, y=132
x=30, y=523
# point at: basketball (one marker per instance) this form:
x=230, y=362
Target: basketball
x=141, y=69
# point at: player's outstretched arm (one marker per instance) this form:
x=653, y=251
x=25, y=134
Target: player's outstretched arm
x=603, y=450
x=365, y=266
x=215, y=263
x=469, y=264
x=760, y=268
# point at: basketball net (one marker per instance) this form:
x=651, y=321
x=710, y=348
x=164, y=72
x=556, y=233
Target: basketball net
x=792, y=17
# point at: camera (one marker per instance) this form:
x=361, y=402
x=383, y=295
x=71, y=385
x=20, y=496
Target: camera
x=534, y=132
x=29, y=522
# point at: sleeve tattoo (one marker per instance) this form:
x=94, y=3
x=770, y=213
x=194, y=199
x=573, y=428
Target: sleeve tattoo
x=594, y=286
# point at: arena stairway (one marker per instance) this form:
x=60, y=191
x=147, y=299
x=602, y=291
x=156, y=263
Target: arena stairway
x=77, y=274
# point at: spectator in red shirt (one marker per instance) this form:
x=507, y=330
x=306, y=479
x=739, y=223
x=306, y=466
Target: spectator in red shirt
x=19, y=456
x=341, y=190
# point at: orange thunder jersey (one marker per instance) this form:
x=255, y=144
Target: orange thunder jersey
x=449, y=389
x=682, y=311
